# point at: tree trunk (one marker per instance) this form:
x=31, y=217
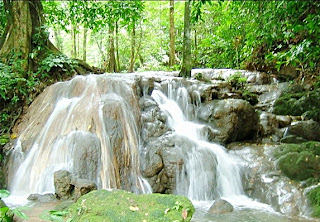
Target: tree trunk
x=57, y=40
x=74, y=42
x=117, y=48
x=111, y=57
x=186, y=57
x=84, y=45
x=24, y=46
x=104, y=60
x=78, y=44
x=172, y=37
x=133, y=46
x=24, y=19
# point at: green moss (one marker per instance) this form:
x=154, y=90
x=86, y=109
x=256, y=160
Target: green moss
x=314, y=198
x=299, y=161
x=299, y=103
x=118, y=205
x=251, y=97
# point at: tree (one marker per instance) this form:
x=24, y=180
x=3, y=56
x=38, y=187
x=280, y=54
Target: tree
x=24, y=22
x=28, y=60
x=186, y=60
x=172, y=38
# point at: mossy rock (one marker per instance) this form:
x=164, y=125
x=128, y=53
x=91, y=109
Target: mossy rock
x=299, y=161
x=122, y=206
x=303, y=103
x=314, y=198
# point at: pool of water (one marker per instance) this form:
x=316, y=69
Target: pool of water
x=243, y=214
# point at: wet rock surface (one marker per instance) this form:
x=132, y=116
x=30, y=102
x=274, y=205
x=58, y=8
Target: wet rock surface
x=68, y=186
x=43, y=198
x=220, y=207
x=264, y=182
x=234, y=118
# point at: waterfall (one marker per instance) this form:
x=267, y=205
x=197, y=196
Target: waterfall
x=88, y=126
x=208, y=172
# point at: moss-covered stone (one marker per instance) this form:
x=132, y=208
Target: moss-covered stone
x=299, y=103
x=314, y=198
x=299, y=161
x=119, y=205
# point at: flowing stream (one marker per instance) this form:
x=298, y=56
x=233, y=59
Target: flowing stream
x=87, y=126
x=90, y=127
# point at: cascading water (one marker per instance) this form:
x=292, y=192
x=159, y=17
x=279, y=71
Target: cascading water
x=87, y=126
x=208, y=172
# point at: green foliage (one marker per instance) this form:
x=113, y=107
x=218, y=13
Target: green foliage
x=15, y=88
x=119, y=205
x=3, y=19
x=237, y=80
x=6, y=214
x=251, y=97
x=298, y=101
x=299, y=161
x=51, y=62
x=200, y=77
x=55, y=216
x=314, y=198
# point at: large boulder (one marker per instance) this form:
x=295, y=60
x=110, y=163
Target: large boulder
x=161, y=162
x=68, y=186
x=119, y=205
x=309, y=130
x=220, y=207
x=299, y=161
x=234, y=118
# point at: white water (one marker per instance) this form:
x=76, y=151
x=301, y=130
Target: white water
x=87, y=126
x=208, y=172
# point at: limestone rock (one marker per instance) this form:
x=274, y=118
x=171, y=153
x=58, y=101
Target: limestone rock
x=220, y=207
x=68, y=186
x=234, y=118
x=49, y=197
x=119, y=205
x=62, y=184
x=309, y=130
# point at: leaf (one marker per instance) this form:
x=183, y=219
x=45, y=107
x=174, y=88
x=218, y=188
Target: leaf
x=134, y=208
x=4, y=193
x=20, y=214
x=3, y=211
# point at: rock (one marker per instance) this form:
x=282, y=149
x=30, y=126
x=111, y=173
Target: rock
x=269, y=123
x=2, y=204
x=220, y=207
x=283, y=121
x=153, y=164
x=119, y=205
x=299, y=102
x=62, y=184
x=43, y=198
x=292, y=139
x=68, y=186
x=234, y=118
x=299, y=161
x=83, y=186
x=161, y=163
x=309, y=130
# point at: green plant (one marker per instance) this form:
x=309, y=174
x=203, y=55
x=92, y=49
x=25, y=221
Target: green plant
x=54, y=61
x=314, y=198
x=237, y=80
x=55, y=216
x=6, y=214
